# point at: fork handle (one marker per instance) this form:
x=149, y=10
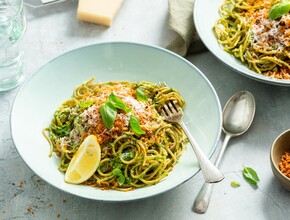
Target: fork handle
x=202, y=199
x=210, y=172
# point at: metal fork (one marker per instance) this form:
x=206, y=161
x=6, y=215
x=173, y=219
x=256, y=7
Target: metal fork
x=173, y=113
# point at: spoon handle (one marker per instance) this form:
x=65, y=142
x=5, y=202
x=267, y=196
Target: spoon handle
x=202, y=199
x=210, y=173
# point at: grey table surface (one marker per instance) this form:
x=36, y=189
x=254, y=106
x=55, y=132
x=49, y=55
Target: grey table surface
x=54, y=30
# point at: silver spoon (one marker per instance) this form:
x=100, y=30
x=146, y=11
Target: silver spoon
x=238, y=115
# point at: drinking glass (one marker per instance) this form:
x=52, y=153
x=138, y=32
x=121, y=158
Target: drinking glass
x=12, y=28
x=41, y=3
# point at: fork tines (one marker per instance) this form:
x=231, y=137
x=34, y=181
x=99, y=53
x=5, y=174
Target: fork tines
x=170, y=108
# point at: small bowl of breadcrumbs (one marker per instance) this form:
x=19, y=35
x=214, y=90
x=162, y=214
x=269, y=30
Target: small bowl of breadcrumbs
x=280, y=158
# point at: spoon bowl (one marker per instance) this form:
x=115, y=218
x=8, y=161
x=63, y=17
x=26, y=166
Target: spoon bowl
x=238, y=115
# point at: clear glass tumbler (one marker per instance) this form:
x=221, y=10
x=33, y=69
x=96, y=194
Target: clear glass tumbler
x=12, y=28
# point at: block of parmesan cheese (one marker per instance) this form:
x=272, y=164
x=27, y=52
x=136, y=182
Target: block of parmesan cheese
x=98, y=11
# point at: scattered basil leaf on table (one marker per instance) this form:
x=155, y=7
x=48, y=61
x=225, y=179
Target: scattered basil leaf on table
x=121, y=177
x=279, y=9
x=141, y=96
x=108, y=114
x=118, y=103
x=250, y=175
x=135, y=125
x=235, y=184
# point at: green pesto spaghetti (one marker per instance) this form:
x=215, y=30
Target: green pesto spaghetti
x=246, y=31
x=138, y=147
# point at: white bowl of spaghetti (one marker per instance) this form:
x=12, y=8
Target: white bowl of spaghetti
x=41, y=103
x=245, y=38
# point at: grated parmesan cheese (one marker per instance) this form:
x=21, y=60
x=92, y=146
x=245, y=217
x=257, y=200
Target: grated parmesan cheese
x=267, y=34
x=91, y=120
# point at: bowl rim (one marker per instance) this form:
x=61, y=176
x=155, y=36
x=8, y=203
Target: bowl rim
x=272, y=154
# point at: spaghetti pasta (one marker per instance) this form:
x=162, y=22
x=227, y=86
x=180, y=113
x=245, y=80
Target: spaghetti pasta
x=245, y=30
x=138, y=159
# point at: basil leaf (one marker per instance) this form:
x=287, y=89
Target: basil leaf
x=141, y=96
x=235, y=184
x=250, y=175
x=118, y=103
x=135, y=125
x=121, y=177
x=86, y=104
x=279, y=9
x=108, y=114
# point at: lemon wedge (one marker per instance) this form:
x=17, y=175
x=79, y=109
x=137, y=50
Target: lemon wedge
x=84, y=162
